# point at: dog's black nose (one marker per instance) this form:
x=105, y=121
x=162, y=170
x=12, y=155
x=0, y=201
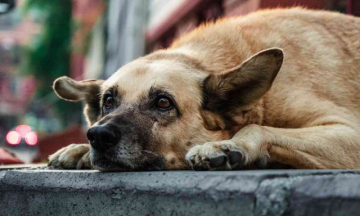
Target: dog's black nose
x=102, y=137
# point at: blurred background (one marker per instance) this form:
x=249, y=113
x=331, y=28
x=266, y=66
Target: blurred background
x=41, y=40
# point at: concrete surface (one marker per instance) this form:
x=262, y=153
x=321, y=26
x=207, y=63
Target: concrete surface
x=38, y=191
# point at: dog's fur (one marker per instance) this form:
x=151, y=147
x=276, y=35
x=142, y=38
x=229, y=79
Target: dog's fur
x=282, y=85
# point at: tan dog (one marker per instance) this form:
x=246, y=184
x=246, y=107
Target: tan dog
x=282, y=84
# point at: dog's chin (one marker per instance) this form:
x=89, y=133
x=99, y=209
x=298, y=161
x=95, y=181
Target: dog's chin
x=105, y=164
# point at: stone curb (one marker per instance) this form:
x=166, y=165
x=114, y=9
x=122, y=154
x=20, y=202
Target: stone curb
x=295, y=192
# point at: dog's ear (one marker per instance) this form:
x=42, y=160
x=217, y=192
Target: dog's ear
x=244, y=84
x=71, y=90
x=86, y=90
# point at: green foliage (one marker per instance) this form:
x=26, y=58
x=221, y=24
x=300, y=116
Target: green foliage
x=48, y=55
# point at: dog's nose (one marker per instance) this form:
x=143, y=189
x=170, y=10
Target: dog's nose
x=102, y=137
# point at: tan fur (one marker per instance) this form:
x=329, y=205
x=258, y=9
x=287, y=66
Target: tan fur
x=309, y=118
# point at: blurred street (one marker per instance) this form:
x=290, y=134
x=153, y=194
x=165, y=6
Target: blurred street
x=25, y=154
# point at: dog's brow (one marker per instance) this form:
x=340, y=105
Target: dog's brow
x=155, y=91
x=111, y=90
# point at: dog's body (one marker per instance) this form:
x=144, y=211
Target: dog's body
x=224, y=115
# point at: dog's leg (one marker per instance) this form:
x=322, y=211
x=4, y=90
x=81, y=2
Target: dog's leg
x=74, y=156
x=332, y=146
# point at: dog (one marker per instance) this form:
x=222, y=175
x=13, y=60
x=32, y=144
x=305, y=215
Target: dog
x=278, y=86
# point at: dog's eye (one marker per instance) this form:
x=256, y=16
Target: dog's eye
x=109, y=102
x=163, y=103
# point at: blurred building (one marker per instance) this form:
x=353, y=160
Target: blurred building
x=126, y=22
x=19, y=30
x=170, y=19
x=15, y=91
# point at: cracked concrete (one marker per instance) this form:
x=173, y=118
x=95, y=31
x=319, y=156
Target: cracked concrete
x=272, y=196
x=294, y=192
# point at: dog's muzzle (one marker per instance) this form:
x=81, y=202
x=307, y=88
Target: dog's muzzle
x=117, y=148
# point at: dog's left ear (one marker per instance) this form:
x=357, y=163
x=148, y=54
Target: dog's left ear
x=244, y=84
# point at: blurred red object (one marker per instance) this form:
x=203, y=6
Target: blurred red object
x=7, y=158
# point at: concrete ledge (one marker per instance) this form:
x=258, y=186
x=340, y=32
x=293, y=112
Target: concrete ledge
x=52, y=192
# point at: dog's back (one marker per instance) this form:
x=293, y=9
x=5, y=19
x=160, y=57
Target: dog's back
x=320, y=73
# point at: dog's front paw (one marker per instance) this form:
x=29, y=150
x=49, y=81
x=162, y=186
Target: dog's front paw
x=222, y=155
x=74, y=156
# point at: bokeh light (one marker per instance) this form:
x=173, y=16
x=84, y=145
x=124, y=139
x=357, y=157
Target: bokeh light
x=13, y=138
x=23, y=130
x=31, y=138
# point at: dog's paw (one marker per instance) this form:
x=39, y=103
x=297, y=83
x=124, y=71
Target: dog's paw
x=74, y=156
x=222, y=155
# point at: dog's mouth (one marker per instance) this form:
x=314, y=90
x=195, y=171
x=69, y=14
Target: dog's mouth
x=109, y=163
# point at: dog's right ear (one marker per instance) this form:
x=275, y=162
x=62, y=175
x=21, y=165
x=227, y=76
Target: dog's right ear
x=86, y=90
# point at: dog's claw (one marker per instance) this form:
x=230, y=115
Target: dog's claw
x=225, y=148
x=262, y=162
x=201, y=166
x=235, y=157
x=192, y=159
x=217, y=162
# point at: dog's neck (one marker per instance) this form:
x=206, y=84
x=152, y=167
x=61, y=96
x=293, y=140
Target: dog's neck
x=236, y=120
x=240, y=119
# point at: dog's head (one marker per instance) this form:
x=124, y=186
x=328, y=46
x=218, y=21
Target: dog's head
x=153, y=110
